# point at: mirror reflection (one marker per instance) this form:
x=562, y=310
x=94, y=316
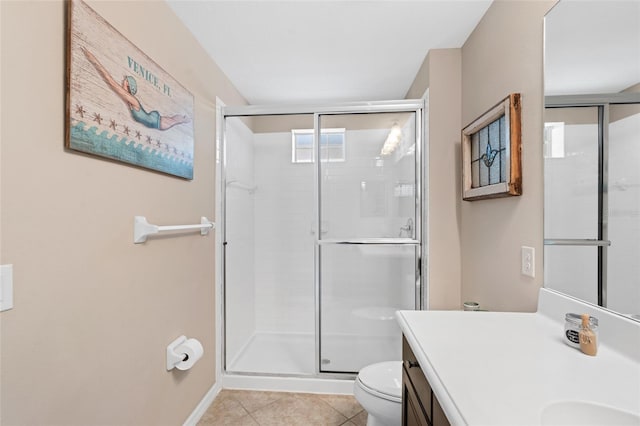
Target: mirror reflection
x=592, y=152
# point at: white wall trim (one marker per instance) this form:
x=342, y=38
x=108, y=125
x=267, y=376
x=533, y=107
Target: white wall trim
x=426, y=216
x=218, y=328
x=201, y=408
x=208, y=398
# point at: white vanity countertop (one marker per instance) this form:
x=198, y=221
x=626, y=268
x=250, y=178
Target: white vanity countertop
x=490, y=368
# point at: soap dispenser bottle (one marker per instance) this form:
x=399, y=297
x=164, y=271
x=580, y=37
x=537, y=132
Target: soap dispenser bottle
x=588, y=343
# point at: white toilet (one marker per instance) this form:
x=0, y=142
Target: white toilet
x=378, y=388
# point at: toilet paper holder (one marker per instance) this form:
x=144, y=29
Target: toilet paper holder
x=175, y=357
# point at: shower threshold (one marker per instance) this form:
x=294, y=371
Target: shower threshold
x=276, y=353
x=286, y=362
x=288, y=384
x=281, y=362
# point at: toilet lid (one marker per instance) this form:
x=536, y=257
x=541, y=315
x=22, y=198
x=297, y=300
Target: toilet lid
x=383, y=377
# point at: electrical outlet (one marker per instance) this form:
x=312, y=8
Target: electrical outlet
x=528, y=261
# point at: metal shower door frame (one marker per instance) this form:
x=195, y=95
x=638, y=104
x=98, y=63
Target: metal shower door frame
x=411, y=106
x=320, y=242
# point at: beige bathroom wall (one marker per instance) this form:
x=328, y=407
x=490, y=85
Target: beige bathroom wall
x=441, y=73
x=504, y=54
x=85, y=343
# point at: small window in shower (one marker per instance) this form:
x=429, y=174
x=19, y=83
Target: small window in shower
x=554, y=139
x=332, y=146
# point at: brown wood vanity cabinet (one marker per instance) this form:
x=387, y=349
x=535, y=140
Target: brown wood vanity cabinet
x=420, y=406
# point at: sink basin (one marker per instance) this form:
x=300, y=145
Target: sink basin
x=582, y=413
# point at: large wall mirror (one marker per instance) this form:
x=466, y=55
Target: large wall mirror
x=592, y=152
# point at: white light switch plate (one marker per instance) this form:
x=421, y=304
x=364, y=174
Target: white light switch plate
x=6, y=287
x=528, y=261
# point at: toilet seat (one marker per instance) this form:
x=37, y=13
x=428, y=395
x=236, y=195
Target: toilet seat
x=383, y=380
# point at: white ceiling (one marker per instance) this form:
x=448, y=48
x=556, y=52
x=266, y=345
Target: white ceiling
x=301, y=52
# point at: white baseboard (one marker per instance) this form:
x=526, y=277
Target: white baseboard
x=201, y=408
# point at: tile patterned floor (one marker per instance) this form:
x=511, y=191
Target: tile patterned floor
x=240, y=408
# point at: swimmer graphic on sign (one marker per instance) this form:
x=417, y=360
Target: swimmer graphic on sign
x=127, y=91
x=144, y=118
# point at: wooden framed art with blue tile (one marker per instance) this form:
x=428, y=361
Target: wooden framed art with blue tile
x=120, y=104
x=491, y=153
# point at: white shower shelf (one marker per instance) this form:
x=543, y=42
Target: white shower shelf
x=142, y=229
x=241, y=185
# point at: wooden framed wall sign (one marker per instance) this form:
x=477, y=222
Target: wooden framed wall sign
x=491, y=151
x=120, y=104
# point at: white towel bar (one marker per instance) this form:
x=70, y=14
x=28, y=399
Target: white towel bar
x=142, y=229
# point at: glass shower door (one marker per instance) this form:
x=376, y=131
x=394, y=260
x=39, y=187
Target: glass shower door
x=571, y=219
x=623, y=269
x=268, y=248
x=368, y=244
x=592, y=231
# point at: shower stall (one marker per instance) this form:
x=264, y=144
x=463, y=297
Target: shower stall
x=321, y=238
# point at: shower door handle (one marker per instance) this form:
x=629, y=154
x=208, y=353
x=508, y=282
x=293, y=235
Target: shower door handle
x=576, y=242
